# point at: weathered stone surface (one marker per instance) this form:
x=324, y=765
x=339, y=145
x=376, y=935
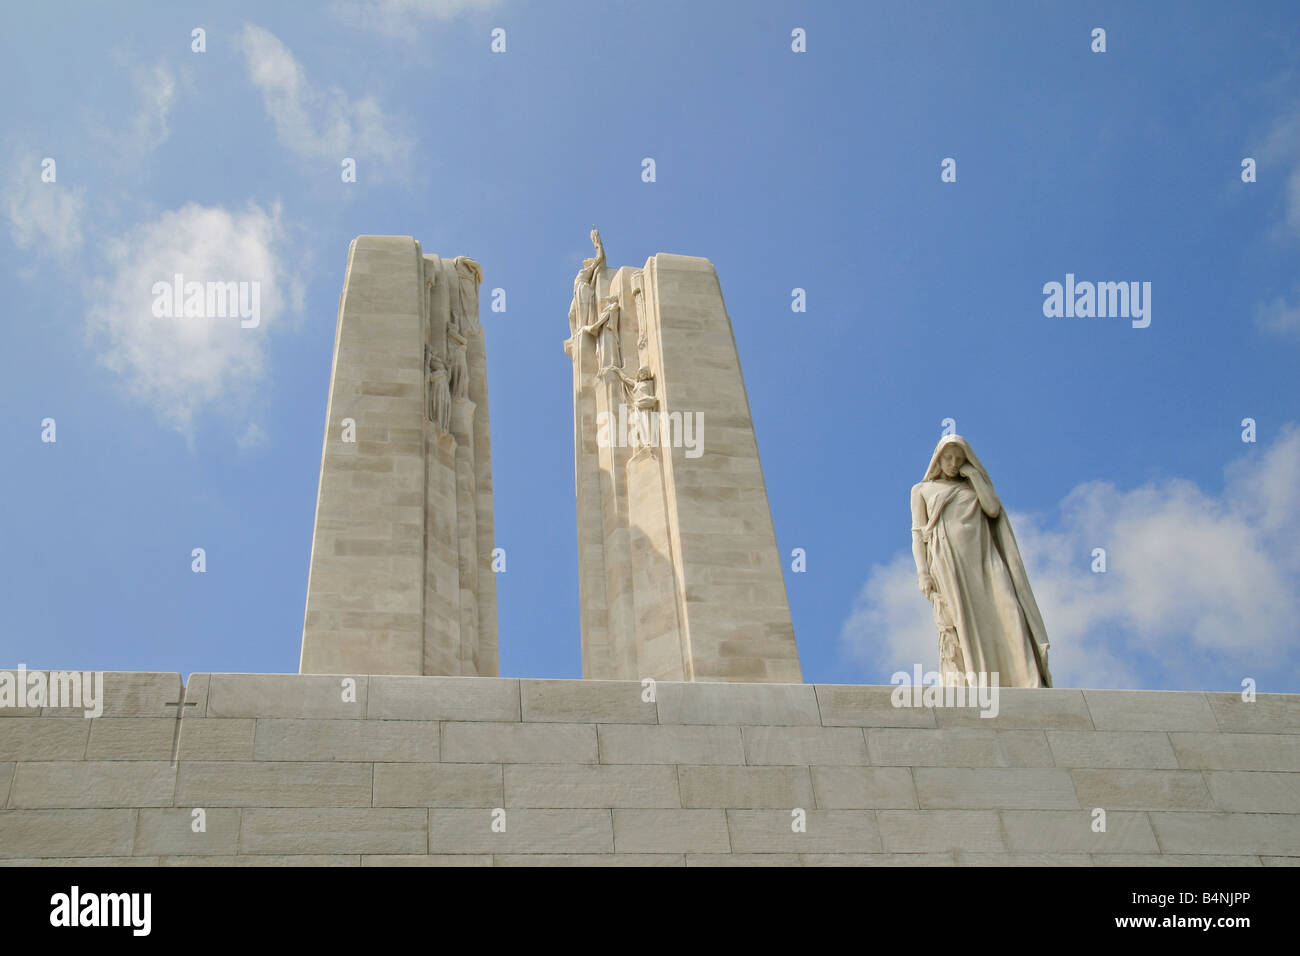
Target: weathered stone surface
x=1041, y=831
x=1142, y=789
x=336, y=830
x=60, y=834
x=594, y=701
x=1100, y=748
x=1132, y=710
x=866, y=788
x=850, y=705
x=518, y=743
x=752, y=704
x=579, y=785
x=347, y=740
x=527, y=831
x=172, y=833
x=959, y=747
x=286, y=695
x=922, y=831
x=253, y=783
x=670, y=831
x=438, y=785
x=98, y=783
x=659, y=744
x=746, y=787
x=828, y=746
x=952, y=788
x=1237, y=751
x=828, y=831
x=443, y=698
x=44, y=738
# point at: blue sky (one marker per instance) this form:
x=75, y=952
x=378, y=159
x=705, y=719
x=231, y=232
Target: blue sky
x=817, y=170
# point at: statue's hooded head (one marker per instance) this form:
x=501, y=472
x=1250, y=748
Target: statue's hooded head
x=936, y=469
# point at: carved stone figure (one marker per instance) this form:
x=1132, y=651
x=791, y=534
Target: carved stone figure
x=968, y=565
x=641, y=393
x=464, y=298
x=459, y=364
x=638, y=298
x=609, y=354
x=439, y=391
x=582, y=311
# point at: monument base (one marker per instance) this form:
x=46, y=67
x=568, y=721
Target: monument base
x=357, y=770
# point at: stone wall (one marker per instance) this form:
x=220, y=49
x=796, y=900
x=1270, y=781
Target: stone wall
x=409, y=772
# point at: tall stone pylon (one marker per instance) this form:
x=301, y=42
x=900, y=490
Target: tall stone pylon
x=679, y=573
x=401, y=578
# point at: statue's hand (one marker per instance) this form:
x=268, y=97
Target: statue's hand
x=926, y=584
x=966, y=470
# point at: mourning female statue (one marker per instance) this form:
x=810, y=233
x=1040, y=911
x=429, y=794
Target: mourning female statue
x=968, y=565
x=582, y=310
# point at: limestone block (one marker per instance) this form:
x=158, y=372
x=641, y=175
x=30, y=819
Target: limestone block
x=333, y=830
x=829, y=831
x=444, y=698
x=196, y=692
x=864, y=788
x=438, y=785
x=1149, y=710
x=966, y=858
x=1266, y=714
x=1024, y=708
x=1277, y=860
x=854, y=706
x=483, y=742
x=127, y=694
x=596, y=701
x=43, y=738
x=670, y=831
x=130, y=738
x=1228, y=833
x=921, y=831
x=1142, y=789
x=1099, y=748
x=829, y=746
x=527, y=831
x=958, y=747
x=171, y=833
x=984, y=788
x=93, y=783
x=1174, y=859
x=347, y=740
x=83, y=861
x=6, y=778
x=1237, y=751
x=286, y=695
x=753, y=704
x=588, y=859
x=743, y=859
x=1254, y=791
x=580, y=785
x=630, y=743
x=877, y=859
x=59, y=834
x=426, y=859
x=263, y=860
x=253, y=783
x=746, y=787
x=217, y=739
x=1044, y=831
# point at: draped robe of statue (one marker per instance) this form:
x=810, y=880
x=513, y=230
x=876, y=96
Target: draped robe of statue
x=983, y=600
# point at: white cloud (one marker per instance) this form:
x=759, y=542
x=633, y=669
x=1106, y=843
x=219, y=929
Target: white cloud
x=43, y=216
x=320, y=125
x=399, y=18
x=182, y=365
x=1279, y=317
x=1200, y=591
x=254, y=437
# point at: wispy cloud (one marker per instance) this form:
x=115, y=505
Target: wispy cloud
x=1198, y=586
x=319, y=124
x=181, y=365
x=400, y=18
x=45, y=217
